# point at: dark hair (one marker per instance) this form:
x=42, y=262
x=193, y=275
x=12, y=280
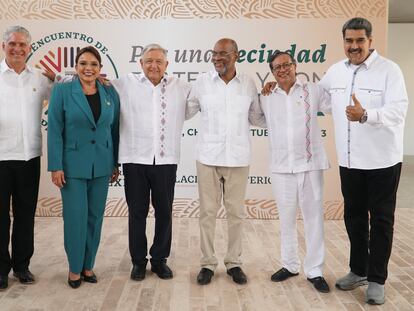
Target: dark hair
x=276, y=55
x=358, y=23
x=89, y=49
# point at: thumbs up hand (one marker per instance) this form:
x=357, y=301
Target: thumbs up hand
x=355, y=112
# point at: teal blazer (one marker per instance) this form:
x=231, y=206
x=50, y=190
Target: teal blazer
x=75, y=143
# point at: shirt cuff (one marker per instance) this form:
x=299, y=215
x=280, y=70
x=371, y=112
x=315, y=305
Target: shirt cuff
x=372, y=116
x=58, y=77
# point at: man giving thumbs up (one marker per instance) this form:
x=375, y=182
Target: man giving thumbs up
x=369, y=103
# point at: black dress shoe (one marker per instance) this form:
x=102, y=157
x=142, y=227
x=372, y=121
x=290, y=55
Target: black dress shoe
x=204, y=276
x=162, y=270
x=282, y=274
x=320, y=284
x=4, y=282
x=74, y=283
x=138, y=272
x=238, y=275
x=25, y=277
x=89, y=278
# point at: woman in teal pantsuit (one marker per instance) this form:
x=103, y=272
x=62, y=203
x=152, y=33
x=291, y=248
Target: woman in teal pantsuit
x=82, y=156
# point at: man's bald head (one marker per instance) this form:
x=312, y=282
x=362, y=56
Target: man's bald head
x=229, y=42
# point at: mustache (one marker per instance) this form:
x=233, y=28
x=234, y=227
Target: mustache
x=354, y=50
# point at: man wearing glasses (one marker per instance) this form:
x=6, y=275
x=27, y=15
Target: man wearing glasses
x=298, y=159
x=224, y=97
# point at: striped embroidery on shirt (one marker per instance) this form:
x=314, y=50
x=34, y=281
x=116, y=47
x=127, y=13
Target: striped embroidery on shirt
x=307, y=123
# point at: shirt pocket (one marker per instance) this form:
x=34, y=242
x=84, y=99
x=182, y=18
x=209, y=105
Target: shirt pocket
x=3, y=112
x=8, y=139
x=369, y=97
x=212, y=110
x=241, y=105
x=8, y=124
x=338, y=90
x=339, y=100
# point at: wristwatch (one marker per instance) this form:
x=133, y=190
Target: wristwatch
x=364, y=117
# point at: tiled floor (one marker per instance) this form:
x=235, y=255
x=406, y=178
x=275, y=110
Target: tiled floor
x=115, y=291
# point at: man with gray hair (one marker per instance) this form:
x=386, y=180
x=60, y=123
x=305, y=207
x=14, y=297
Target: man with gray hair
x=23, y=90
x=153, y=109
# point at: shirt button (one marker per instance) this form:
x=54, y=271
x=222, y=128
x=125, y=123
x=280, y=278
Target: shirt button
x=92, y=141
x=93, y=129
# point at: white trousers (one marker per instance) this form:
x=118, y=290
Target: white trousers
x=304, y=190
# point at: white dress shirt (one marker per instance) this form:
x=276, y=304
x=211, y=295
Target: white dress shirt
x=285, y=118
x=21, y=99
x=224, y=137
x=379, y=85
x=151, y=119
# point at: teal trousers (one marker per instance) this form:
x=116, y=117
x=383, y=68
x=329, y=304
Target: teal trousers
x=84, y=203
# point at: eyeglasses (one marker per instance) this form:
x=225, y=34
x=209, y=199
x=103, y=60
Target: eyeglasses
x=221, y=54
x=277, y=68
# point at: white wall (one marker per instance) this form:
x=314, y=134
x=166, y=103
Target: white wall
x=401, y=51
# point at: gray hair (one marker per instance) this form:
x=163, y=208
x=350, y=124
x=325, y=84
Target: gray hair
x=12, y=29
x=154, y=47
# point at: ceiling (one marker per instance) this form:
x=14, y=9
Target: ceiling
x=401, y=11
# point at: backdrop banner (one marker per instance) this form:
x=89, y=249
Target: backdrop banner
x=309, y=30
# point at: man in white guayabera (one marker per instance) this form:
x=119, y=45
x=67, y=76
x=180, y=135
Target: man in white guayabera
x=153, y=107
x=298, y=159
x=22, y=92
x=224, y=98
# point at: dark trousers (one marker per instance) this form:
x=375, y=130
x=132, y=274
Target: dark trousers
x=370, y=197
x=143, y=182
x=19, y=180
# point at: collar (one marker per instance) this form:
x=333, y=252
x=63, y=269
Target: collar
x=143, y=78
x=216, y=76
x=368, y=62
x=4, y=67
x=298, y=84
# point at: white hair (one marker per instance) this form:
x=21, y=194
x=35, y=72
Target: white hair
x=12, y=29
x=154, y=47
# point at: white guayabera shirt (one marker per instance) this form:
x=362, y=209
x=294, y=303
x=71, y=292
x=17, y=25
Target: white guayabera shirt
x=21, y=99
x=285, y=118
x=151, y=119
x=379, y=85
x=224, y=135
